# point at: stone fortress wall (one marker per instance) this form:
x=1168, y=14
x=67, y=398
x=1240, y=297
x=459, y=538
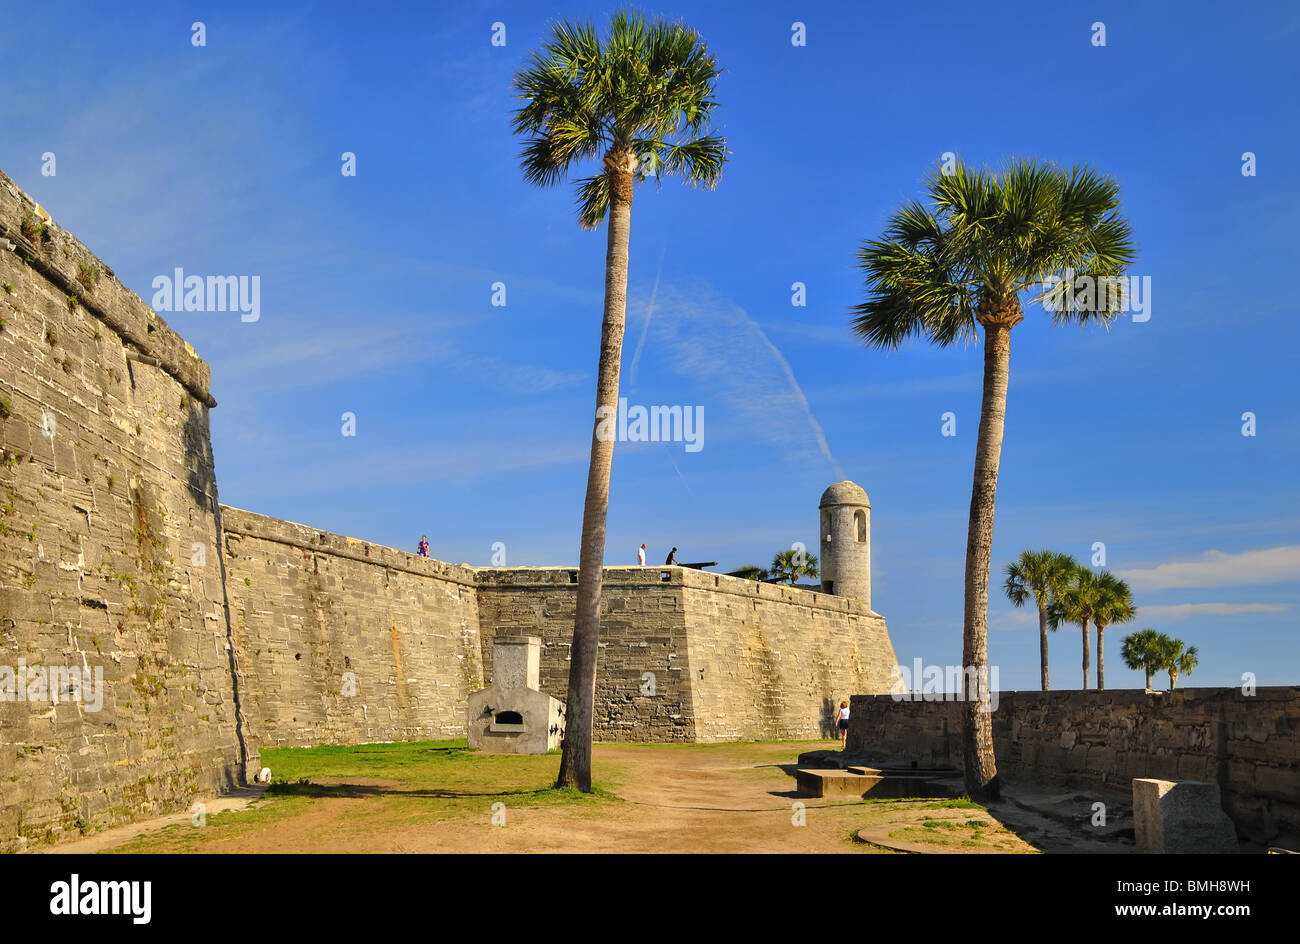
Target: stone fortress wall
x=109, y=549
x=692, y=656
x=342, y=641
x=218, y=631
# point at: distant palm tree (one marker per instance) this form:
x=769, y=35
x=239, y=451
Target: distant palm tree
x=1077, y=603
x=1042, y=575
x=638, y=104
x=791, y=565
x=750, y=572
x=945, y=270
x=1177, y=659
x=1114, y=605
x=1142, y=650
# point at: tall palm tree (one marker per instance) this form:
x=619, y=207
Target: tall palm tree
x=1042, y=575
x=1077, y=603
x=791, y=565
x=1114, y=605
x=637, y=103
x=1142, y=650
x=1176, y=658
x=961, y=262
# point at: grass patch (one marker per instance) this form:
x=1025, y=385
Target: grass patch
x=392, y=786
x=967, y=834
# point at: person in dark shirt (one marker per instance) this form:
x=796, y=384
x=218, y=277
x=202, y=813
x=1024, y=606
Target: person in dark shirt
x=672, y=557
x=423, y=550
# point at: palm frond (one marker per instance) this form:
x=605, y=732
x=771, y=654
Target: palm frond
x=981, y=237
x=647, y=87
x=593, y=200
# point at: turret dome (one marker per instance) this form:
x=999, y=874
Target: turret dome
x=845, y=493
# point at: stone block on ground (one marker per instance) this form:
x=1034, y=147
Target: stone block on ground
x=1181, y=816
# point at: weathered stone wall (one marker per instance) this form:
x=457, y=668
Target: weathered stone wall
x=730, y=658
x=218, y=630
x=343, y=641
x=642, y=629
x=774, y=662
x=108, y=547
x=1248, y=745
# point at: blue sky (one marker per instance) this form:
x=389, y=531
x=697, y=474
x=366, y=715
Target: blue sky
x=473, y=420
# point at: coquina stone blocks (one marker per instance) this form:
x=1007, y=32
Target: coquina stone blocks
x=1245, y=744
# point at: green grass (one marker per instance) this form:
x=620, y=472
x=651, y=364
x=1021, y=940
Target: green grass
x=970, y=833
x=402, y=784
x=401, y=761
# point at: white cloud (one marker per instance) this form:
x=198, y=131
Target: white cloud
x=1219, y=569
x=317, y=473
x=1183, y=610
x=340, y=354
x=1013, y=620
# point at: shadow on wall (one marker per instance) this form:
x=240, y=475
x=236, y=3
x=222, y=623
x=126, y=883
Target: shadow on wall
x=198, y=457
x=201, y=479
x=829, y=710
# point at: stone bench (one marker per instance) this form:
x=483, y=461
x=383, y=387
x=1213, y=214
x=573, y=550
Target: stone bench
x=929, y=773
x=846, y=783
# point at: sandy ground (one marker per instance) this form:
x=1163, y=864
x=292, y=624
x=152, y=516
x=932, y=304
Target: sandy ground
x=722, y=799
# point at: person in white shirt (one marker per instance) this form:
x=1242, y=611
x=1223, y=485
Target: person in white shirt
x=842, y=722
x=640, y=555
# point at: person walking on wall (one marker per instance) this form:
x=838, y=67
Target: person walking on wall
x=423, y=549
x=672, y=557
x=842, y=723
x=640, y=555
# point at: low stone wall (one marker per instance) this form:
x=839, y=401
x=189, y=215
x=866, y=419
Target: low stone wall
x=1248, y=745
x=341, y=641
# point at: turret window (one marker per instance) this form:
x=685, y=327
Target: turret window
x=860, y=526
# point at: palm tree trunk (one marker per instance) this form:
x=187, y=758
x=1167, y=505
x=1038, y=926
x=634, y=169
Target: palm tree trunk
x=575, y=759
x=1042, y=646
x=1087, y=654
x=1101, y=658
x=1148, y=671
x=977, y=721
x=1173, y=679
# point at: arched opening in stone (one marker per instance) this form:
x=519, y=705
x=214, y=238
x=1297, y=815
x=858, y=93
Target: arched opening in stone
x=860, y=526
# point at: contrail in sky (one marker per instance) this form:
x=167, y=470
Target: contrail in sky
x=645, y=327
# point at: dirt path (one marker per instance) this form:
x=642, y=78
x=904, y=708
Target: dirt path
x=723, y=798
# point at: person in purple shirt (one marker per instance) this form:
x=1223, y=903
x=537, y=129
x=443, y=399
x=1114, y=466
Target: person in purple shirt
x=423, y=550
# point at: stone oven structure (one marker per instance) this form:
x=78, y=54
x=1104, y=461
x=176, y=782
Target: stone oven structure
x=513, y=716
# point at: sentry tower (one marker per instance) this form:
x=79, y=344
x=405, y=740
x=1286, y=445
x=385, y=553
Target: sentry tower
x=846, y=542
